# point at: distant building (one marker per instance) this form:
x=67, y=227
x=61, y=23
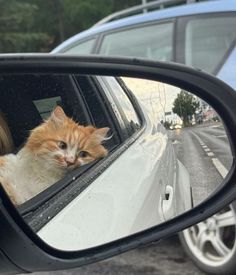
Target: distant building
x=206, y=111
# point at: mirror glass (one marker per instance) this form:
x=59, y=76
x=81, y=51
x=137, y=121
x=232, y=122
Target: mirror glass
x=90, y=159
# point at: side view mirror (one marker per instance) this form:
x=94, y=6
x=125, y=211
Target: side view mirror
x=102, y=155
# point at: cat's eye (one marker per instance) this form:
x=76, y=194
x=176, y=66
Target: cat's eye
x=83, y=154
x=62, y=145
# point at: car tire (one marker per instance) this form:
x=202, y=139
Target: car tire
x=211, y=244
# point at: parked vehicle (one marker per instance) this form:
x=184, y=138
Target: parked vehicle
x=201, y=35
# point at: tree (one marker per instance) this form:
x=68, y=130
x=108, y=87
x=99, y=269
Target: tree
x=185, y=105
x=39, y=26
x=80, y=15
x=16, y=27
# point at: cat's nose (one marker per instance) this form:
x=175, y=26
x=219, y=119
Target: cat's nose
x=70, y=161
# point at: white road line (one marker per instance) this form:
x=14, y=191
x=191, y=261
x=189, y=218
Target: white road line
x=217, y=126
x=220, y=167
x=222, y=136
x=217, y=163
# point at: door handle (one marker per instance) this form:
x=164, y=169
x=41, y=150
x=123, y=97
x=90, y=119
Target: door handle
x=167, y=202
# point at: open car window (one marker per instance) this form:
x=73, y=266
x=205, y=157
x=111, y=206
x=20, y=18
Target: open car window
x=26, y=101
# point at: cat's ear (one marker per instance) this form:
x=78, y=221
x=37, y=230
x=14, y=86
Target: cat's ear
x=58, y=116
x=101, y=133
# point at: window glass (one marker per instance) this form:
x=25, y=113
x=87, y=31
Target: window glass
x=207, y=40
x=154, y=42
x=96, y=106
x=82, y=48
x=46, y=106
x=126, y=108
x=28, y=99
x=45, y=118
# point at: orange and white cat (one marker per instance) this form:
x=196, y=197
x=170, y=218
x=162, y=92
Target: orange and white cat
x=54, y=147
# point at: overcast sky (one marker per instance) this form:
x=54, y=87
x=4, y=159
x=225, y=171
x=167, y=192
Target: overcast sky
x=157, y=97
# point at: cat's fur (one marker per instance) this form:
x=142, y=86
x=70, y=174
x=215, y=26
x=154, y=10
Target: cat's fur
x=45, y=158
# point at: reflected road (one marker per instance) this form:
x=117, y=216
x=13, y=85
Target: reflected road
x=204, y=150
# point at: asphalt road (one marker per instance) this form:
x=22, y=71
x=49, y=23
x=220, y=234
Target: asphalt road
x=196, y=147
x=205, y=152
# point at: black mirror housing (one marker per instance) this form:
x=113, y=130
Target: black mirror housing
x=21, y=250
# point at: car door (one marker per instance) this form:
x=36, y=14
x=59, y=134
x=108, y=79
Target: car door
x=156, y=145
x=174, y=181
x=124, y=204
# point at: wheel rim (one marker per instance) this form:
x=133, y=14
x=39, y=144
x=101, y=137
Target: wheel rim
x=213, y=241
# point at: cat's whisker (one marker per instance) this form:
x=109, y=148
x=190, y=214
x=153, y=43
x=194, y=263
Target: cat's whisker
x=107, y=138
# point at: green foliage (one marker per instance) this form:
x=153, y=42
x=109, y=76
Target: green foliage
x=40, y=25
x=16, y=28
x=185, y=105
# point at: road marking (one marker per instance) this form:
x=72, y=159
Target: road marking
x=217, y=126
x=222, y=136
x=220, y=167
x=217, y=163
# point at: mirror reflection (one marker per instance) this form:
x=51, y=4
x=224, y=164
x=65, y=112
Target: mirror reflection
x=100, y=158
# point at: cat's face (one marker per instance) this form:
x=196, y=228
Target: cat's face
x=63, y=143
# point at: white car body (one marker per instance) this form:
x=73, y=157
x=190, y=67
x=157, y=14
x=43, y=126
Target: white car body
x=143, y=187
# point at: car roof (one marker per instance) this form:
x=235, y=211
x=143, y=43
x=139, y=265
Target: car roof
x=183, y=10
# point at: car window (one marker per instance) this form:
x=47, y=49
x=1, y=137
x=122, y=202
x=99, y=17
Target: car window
x=100, y=115
x=31, y=102
x=153, y=41
x=30, y=96
x=65, y=135
x=126, y=109
x=45, y=106
x=81, y=48
x=207, y=41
